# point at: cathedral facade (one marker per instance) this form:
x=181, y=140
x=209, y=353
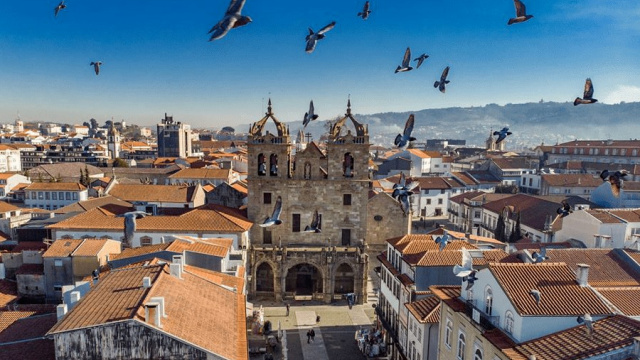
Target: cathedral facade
x=328, y=182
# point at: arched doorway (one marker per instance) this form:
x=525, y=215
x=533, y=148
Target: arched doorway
x=264, y=277
x=303, y=279
x=344, y=279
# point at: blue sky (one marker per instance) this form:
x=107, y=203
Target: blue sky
x=157, y=58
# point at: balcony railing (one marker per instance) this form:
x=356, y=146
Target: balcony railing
x=479, y=317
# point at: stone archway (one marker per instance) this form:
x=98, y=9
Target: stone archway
x=344, y=279
x=265, y=280
x=304, y=279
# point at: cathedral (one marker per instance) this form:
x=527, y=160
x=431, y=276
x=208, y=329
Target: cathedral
x=323, y=189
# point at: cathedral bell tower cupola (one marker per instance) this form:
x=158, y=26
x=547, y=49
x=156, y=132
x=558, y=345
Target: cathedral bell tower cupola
x=113, y=142
x=348, y=149
x=269, y=153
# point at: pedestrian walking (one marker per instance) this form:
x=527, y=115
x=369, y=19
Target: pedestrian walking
x=287, y=309
x=308, y=336
x=313, y=335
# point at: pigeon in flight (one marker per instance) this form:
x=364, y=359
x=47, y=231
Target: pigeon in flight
x=466, y=270
x=443, y=80
x=521, y=13
x=444, y=240
x=587, y=97
x=274, y=219
x=420, y=59
x=565, y=209
x=309, y=116
x=231, y=20
x=502, y=134
x=316, y=224
x=365, y=11
x=402, y=140
x=130, y=224
x=541, y=256
x=406, y=61
x=588, y=322
x=402, y=188
x=313, y=37
x=536, y=295
x=96, y=66
x=57, y=9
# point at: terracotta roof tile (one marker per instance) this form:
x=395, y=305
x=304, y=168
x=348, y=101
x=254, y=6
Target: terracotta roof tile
x=29, y=246
x=405, y=280
x=571, y=180
x=23, y=325
x=56, y=186
x=426, y=310
x=201, y=173
x=153, y=193
x=561, y=294
x=8, y=292
x=533, y=210
x=383, y=260
x=629, y=215
x=110, y=203
x=135, y=252
x=450, y=295
x=603, y=216
x=606, y=269
x=90, y=247
x=217, y=277
x=624, y=298
x=62, y=248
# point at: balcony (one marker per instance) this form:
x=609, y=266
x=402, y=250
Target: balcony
x=386, y=324
x=479, y=317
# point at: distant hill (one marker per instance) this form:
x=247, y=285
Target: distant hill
x=531, y=123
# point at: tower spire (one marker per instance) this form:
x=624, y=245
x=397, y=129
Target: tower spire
x=269, y=107
x=349, y=105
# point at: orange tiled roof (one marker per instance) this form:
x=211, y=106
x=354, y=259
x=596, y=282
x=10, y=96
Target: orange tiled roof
x=120, y=296
x=603, y=216
x=154, y=193
x=214, y=218
x=450, y=295
x=624, y=298
x=24, y=325
x=561, y=294
x=90, y=247
x=134, y=252
x=56, y=186
x=611, y=333
x=605, y=267
x=572, y=180
x=217, y=277
x=201, y=173
x=419, y=243
x=425, y=310
x=449, y=257
x=62, y=248
x=8, y=292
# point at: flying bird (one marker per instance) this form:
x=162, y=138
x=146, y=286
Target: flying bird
x=313, y=37
x=536, y=295
x=502, y=134
x=541, y=256
x=406, y=61
x=365, y=11
x=405, y=204
x=96, y=66
x=402, y=140
x=466, y=270
x=420, y=59
x=444, y=240
x=443, y=80
x=587, y=97
x=521, y=13
x=57, y=9
x=274, y=219
x=470, y=279
x=565, y=209
x=588, y=322
x=316, y=224
x=309, y=116
x=231, y=20
x=402, y=188
x=130, y=224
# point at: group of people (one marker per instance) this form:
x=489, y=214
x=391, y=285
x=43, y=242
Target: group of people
x=311, y=335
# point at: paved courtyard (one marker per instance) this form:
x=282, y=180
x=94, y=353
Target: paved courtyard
x=334, y=332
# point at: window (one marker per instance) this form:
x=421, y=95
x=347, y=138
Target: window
x=295, y=223
x=266, y=236
x=477, y=355
x=419, y=334
x=442, y=191
x=488, y=298
x=428, y=201
x=57, y=262
x=346, y=237
x=40, y=195
x=346, y=199
x=461, y=346
x=447, y=333
x=508, y=322
x=46, y=195
x=54, y=195
x=347, y=165
x=266, y=198
x=61, y=195
x=439, y=201
x=146, y=241
x=273, y=165
x=68, y=195
x=262, y=166
x=75, y=196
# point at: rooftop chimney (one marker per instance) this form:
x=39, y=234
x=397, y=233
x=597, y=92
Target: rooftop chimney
x=74, y=297
x=178, y=259
x=582, y=275
x=146, y=282
x=152, y=314
x=597, y=241
x=174, y=269
x=61, y=311
x=605, y=239
x=160, y=301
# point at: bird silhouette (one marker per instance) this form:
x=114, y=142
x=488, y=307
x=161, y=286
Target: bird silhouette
x=406, y=62
x=587, y=97
x=470, y=279
x=231, y=20
x=565, y=209
x=364, y=14
x=420, y=59
x=521, y=13
x=502, y=134
x=466, y=267
x=536, y=295
x=130, y=224
x=402, y=188
x=274, y=219
x=541, y=256
x=309, y=116
x=444, y=240
x=57, y=9
x=402, y=140
x=316, y=224
x=443, y=80
x=96, y=66
x=313, y=37
x=588, y=323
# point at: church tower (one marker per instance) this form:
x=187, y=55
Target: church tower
x=113, y=142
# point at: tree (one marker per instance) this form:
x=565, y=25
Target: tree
x=228, y=129
x=499, y=232
x=516, y=234
x=82, y=180
x=94, y=123
x=118, y=162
